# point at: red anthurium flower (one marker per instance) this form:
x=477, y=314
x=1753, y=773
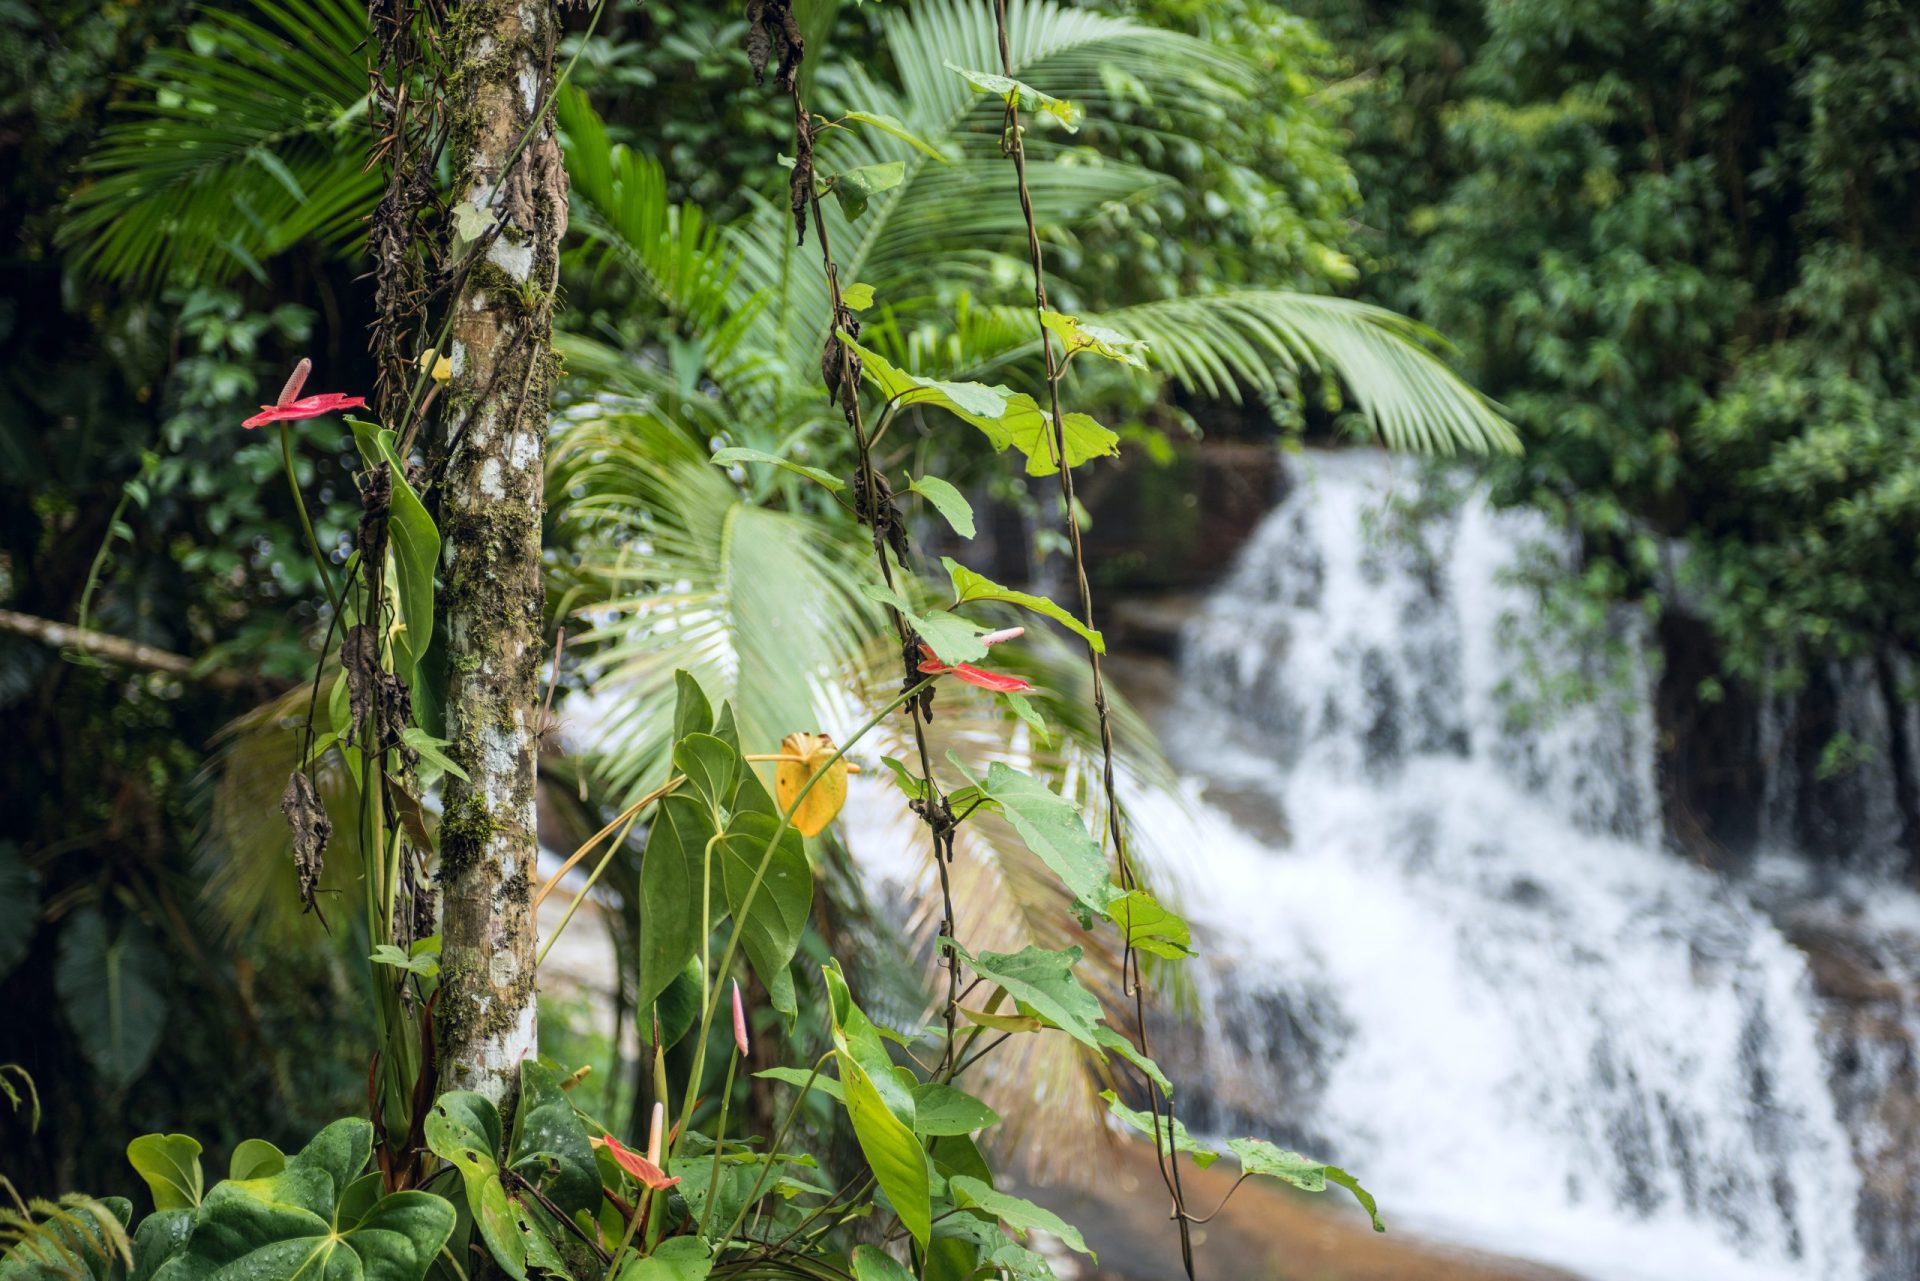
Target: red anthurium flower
x=290, y=406
x=995, y=681
x=635, y=1164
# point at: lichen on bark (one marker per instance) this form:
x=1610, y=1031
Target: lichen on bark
x=510, y=183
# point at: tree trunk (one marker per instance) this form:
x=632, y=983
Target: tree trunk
x=511, y=210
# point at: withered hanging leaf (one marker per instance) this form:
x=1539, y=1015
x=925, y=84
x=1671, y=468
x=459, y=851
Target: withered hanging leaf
x=800, y=190
x=311, y=831
x=840, y=370
x=773, y=36
x=360, y=661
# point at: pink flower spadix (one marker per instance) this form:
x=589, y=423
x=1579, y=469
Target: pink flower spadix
x=290, y=406
x=644, y=1168
x=931, y=665
x=739, y=1021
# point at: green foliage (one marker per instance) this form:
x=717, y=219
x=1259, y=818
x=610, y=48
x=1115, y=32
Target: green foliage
x=105, y=978
x=318, y=1205
x=969, y=587
x=241, y=145
x=882, y=1112
x=170, y=1165
x=413, y=551
x=1054, y=830
x=1675, y=242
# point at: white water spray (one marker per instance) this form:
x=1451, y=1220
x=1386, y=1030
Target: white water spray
x=1459, y=962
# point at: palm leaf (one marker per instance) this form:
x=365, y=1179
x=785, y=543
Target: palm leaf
x=245, y=142
x=1219, y=343
x=677, y=570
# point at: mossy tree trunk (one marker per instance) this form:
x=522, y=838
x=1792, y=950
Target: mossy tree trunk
x=511, y=210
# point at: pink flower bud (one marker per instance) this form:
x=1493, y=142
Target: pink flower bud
x=656, y=1132
x=739, y=1020
x=1004, y=634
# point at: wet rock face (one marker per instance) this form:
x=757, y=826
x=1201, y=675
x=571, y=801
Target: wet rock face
x=1868, y=981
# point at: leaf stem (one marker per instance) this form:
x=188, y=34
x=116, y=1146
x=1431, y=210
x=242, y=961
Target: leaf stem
x=300, y=505
x=712, y=1004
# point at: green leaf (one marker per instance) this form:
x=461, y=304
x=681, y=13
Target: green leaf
x=1202, y=1156
x=470, y=223
x=692, y=714
x=1013, y=91
x=550, y=1147
x=709, y=764
x=1257, y=1156
x=954, y=639
x=675, y=1259
x=969, y=587
x=1098, y=339
x=413, y=541
x=881, y=1111
x=463, y=1129
x=1150, y=927
x=19, y=906
x=1043, y=982
x=105, y=980
x=893, y=125
x=670, y=883
x=161, y=1236
x=429, y=749
x=299, y=1223
x=797, y=1078
x=1023, y=707
x=341, y=1149
x=729, y=457
x=948, y=1110
x=857, y=297
x=969, y=400
x=770, y=931
x=1017, y=1213
x=1112, y=1040
x=948, y=501
x=871, y=1263
x=426, y=965
x=170, y=1165
x=1024, y=426
x=255, y=1159
x=854, y=188
x=1054, y=830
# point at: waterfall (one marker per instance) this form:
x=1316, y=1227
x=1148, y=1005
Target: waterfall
x=1443, y=942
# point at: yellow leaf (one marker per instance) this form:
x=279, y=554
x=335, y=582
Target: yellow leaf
x=804, y=756
x=1003, y=1022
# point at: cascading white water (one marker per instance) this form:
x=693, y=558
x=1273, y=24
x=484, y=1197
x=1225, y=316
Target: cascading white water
x=1442, y=943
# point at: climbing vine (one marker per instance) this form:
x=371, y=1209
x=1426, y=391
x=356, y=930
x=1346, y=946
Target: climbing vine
x=520, y=1180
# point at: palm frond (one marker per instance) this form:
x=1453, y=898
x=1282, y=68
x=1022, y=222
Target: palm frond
x=244, y=849
x=1220, y=343
x=620, y=204
x=942, y=216
x=246, y=141
x=683, y=572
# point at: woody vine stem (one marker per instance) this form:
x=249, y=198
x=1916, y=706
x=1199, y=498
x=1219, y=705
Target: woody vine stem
x=873, y=502
x=1013, y=143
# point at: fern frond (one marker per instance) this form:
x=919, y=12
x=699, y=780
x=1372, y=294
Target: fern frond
x=74, y=1238
x=24, y=1092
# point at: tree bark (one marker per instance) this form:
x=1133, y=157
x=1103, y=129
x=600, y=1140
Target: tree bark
x=511, y=211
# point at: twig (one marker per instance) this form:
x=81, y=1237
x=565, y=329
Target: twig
x=118, y=649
